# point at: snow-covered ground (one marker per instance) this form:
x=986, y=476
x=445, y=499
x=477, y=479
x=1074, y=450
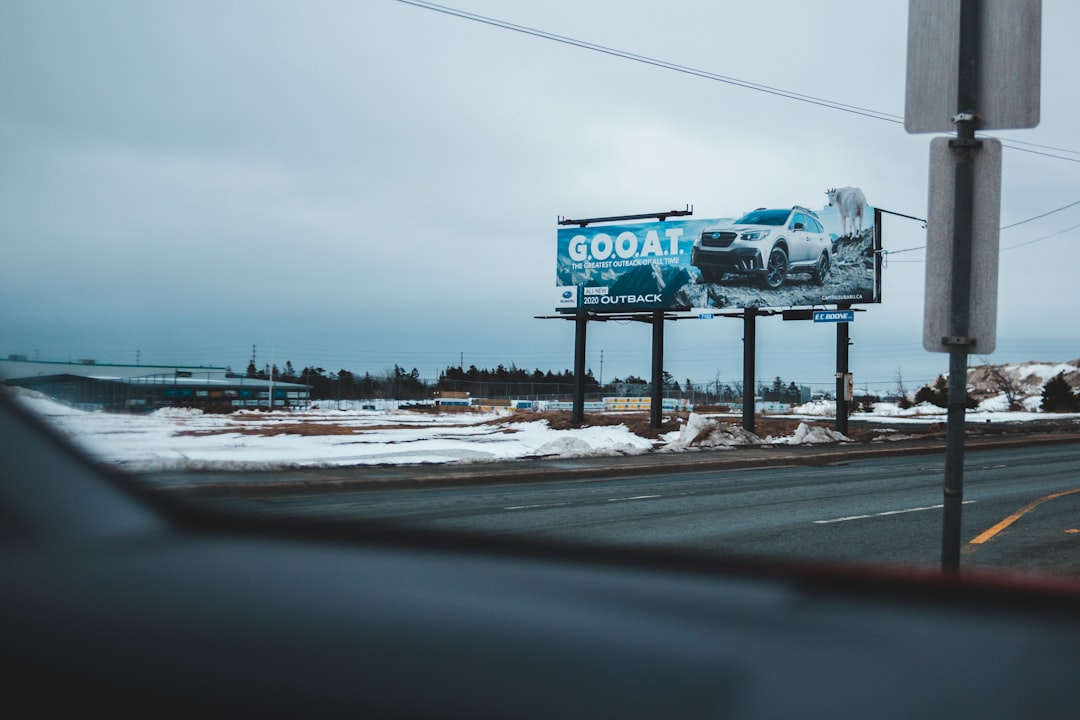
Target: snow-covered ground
x=179, y=439
x=995, y=409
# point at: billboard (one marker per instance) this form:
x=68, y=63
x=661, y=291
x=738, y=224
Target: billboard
x=765, y=258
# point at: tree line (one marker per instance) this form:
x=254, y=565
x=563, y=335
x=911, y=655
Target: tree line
x=401, y=384
x=500, y=382
x=344, y=384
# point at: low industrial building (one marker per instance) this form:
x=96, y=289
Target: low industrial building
x=89, y=385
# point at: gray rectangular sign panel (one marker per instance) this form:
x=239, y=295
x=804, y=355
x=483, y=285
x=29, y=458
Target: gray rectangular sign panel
x=1009, y=64
x=984, y=247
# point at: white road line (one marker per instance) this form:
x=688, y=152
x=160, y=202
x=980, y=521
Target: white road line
x=561, y=504
x=883, y=514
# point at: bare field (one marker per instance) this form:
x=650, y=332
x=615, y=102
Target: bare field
x=637, y=422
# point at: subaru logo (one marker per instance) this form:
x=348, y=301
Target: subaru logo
x=567, y=294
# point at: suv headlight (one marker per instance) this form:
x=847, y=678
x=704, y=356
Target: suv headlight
x=753, y=235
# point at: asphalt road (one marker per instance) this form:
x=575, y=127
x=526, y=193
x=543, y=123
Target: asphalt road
x=837, y=505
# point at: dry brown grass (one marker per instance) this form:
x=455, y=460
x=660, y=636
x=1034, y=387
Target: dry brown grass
x=764, y=425
x=638, y=423
x=301, y=428
x=314, y=428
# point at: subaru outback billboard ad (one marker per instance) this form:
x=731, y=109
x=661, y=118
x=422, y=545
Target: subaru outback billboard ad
x=770, y=257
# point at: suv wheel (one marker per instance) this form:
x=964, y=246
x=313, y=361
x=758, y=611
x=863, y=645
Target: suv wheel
x=775, y=270
x=821, y=270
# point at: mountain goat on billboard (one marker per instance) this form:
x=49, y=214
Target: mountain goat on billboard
x=850, y=203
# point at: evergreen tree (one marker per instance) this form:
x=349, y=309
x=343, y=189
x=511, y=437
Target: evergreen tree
x=346, y=385
x=794, y=393
x=938, y=394
x=1058, y=395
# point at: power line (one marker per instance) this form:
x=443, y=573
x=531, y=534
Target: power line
x=1031, y=144
x=656, y=62
x=1005, y=143
x=1051, y=212
x=1004, y=227
x=707, y=75
x=1044, y=237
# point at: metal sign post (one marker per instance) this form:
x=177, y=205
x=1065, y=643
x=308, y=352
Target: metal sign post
x=964, y=146
x=994, y=47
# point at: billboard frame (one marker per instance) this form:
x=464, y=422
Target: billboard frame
x=662, y=265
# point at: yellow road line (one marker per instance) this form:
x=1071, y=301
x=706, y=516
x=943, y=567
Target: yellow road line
x=1017, y=515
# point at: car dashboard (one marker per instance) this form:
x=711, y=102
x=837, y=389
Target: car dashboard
x=114, y=600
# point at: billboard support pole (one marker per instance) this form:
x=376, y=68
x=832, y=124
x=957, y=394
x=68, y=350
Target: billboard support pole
x=581, y=322
x=656, y=415
x=843, y=340
x=749, y=358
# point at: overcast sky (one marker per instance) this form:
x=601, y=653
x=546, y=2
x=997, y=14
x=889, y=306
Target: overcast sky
x=359, y=184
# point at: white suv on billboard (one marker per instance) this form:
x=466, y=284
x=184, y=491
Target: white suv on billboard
x=768, y=244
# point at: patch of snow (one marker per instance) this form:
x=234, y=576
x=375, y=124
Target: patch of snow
x=701, y=431
x=998, y=403
x=810, y=435
x=1032, y=404
x=177, y=412
x=816, y=408
x=889, y=410
x=1043, y=371
x=893, y=436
